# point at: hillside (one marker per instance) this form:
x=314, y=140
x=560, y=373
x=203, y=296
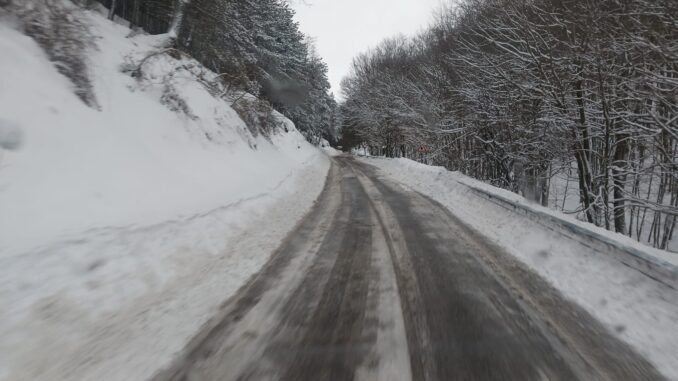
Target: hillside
x=125, y=220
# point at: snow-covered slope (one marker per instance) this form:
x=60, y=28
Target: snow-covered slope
x=636, y=308
x=122, y=229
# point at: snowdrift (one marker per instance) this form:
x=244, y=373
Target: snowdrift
x=123, y=228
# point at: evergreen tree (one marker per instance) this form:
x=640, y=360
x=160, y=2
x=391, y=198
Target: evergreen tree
x=255, y=45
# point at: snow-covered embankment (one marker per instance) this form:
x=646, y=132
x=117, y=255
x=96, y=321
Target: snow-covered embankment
x=635, y=307
x=123, y=229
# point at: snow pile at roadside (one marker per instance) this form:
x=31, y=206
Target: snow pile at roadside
x=331, y=151
x=634, y=307
x=123, y=229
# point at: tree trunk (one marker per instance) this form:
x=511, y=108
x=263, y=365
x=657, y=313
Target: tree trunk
x=111, y=11
x=178, y=17
x=582, y=149
x=618, y=182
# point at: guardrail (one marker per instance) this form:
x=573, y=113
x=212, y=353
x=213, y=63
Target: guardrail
x=632, y=257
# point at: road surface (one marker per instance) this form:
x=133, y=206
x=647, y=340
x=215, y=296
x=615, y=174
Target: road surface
x=381, y=283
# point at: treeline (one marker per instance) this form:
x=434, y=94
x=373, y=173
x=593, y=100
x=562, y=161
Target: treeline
x=254, y=45
x=514, y=92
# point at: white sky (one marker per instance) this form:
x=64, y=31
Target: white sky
x=344, y=28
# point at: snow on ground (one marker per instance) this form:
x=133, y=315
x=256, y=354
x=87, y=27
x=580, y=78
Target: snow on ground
x=123, y=229
x=10, y=136
x=564, y=197
x=637, y=309
x=331, y=151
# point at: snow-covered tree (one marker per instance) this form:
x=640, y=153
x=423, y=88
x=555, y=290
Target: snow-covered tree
x=254, y=45
x=514, y=92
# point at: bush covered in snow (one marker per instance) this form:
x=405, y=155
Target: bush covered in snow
x=58, y=28
x=257, y=114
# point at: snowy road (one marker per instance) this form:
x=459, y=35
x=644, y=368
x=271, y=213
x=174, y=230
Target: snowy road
x=381, y=283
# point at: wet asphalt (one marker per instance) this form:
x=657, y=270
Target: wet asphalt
x=379, y=282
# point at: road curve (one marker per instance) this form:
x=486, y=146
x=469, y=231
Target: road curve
x=381, y=283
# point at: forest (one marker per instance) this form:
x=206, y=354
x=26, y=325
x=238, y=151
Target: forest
x=255, y=46
x=521, y=93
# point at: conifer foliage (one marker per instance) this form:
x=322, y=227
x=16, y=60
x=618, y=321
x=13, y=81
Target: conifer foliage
x=255, y=46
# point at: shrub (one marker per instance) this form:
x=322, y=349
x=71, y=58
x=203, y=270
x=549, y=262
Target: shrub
x=58, y=28
x=257, y=115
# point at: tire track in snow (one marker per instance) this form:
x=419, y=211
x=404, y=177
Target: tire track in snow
x=379, y=283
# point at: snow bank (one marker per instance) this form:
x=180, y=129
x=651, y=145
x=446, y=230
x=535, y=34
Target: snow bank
x=633, y=306
x=123, y=229
x=329, y=150
x=11, y=136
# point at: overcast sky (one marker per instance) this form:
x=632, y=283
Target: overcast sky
x=344, y=28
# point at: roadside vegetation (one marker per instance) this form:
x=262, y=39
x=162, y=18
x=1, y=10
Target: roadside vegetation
x=254, y=46
x=539, y=97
